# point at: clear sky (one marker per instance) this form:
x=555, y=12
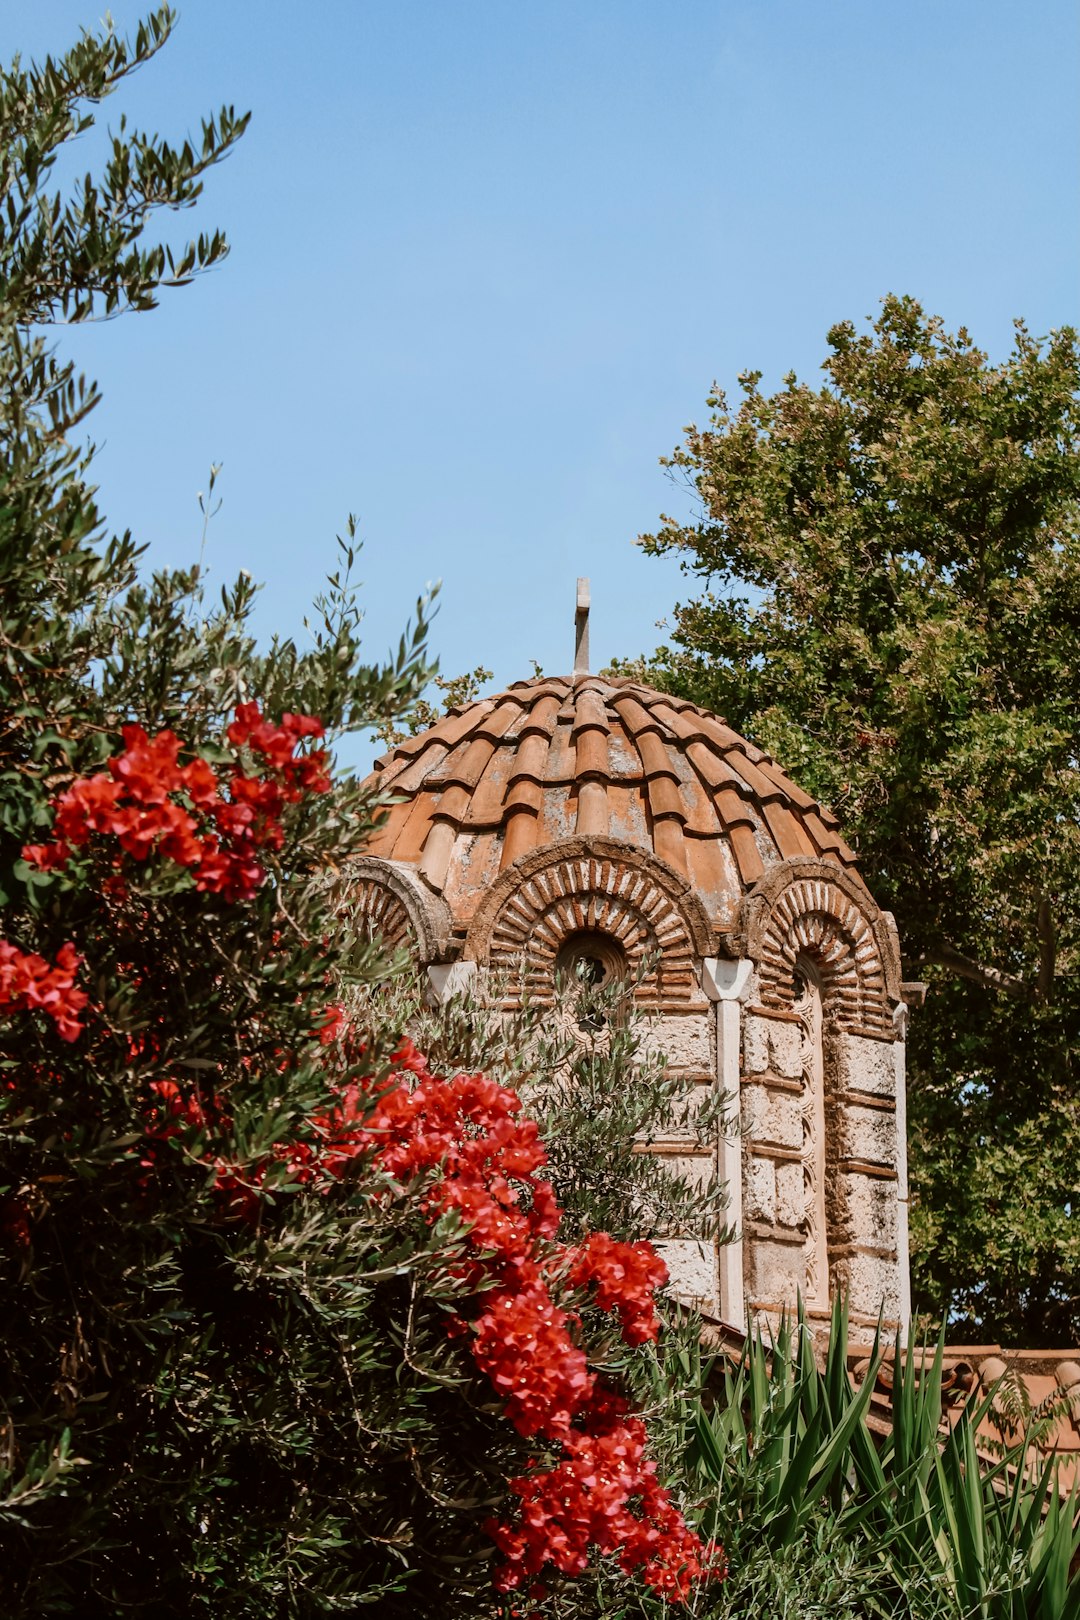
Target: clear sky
x=489, y=255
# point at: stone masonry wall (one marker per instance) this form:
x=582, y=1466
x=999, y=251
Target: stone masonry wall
x=858, y=1158
x=688, y=1041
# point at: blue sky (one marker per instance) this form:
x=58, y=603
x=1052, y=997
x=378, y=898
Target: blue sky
x=489, y=255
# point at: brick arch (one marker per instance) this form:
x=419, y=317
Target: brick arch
x=815, y=917
x=377, y=910
x=387, y=899
x=592, y=884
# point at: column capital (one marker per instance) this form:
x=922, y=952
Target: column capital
x=723, y=979
x=449, y=979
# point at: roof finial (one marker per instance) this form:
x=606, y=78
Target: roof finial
x=581, y=629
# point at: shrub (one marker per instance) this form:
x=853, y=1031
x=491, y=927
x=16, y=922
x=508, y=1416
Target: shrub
x=810, y=1502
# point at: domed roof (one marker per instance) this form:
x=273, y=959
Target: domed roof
x=585, y=757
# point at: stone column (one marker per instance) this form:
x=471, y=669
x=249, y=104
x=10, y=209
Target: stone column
x=726, y=983
x=449, y=979
x=903, y=1257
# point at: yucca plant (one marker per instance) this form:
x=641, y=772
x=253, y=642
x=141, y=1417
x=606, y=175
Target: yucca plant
x=785, y=1452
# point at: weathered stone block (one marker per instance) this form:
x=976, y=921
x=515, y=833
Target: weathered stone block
x=790, y=1195
x=786, y=1050
x=772, y=1116
x=775, y=1271
x=699, y=1169
x=873, y=1208
x=685, y=1041
x=870, y=1134
x=865, y=1065
x=874, y=1285
x=759, y=1191
x=755, y=1046
x=693, y=1272
x=774, y=1045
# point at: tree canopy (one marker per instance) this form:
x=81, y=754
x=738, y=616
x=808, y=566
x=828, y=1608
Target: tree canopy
x=890, y=604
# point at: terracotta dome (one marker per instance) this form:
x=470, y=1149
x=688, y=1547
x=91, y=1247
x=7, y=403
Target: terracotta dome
x=585, y=757
x=596, y=825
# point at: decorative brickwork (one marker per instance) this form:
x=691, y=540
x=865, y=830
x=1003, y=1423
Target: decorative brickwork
x=378, y=912
x=816, y=916
x=389, y=900
x=598, y=886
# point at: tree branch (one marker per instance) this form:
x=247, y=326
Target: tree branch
x=992, y=978
x=964, y=967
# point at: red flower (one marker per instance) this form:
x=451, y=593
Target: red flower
x=522, y=1345
x=27, y=982
x=333, y=1025
x=151, y=804
x=626, y=1277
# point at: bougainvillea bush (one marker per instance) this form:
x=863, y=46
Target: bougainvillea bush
x=288, y=1325
x=350, y=1289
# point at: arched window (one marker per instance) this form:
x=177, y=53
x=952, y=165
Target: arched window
x=815, y=1159
x=591, y=957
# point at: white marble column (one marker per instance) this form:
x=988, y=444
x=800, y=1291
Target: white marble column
x=727, y=984
x=903, y=1257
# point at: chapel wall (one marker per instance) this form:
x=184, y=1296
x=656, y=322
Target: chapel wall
x=816, y=1167
x=821, y=1105
x=688, y=1043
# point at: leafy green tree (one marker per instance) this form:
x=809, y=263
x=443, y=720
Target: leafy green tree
x=891, y=606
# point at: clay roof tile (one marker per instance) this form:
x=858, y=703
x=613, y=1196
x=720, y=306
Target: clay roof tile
x=592, y=754
x=792, y=839
x=763, y=788
x=553, y=756
x=665, y=799
x=634, y=715
x=464, y=766
x=656, y=755
x=747, y=855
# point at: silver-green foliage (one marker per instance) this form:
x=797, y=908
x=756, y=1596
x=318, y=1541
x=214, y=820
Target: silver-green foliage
x=600, y=1091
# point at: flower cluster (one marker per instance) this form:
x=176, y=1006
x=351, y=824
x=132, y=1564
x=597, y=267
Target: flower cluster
x=28, y=982
x=461, y=1143
x=216, y=827
x=626, y=1277
x=602, y=1492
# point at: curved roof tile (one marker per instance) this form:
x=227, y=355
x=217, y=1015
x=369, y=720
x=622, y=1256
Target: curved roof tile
x=554, y=757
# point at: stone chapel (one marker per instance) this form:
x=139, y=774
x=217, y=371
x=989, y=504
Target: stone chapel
x=579, y=817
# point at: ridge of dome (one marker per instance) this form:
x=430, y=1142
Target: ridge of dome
x=582, y=755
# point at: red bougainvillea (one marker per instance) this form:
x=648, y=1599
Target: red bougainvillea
x=522, y=1292
x=602, y=1491
x=458, y=1146
x=214, y=824
x=28, y=983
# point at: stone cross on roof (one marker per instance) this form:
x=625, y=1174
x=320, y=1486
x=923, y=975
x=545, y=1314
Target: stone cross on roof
x=581, y=629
